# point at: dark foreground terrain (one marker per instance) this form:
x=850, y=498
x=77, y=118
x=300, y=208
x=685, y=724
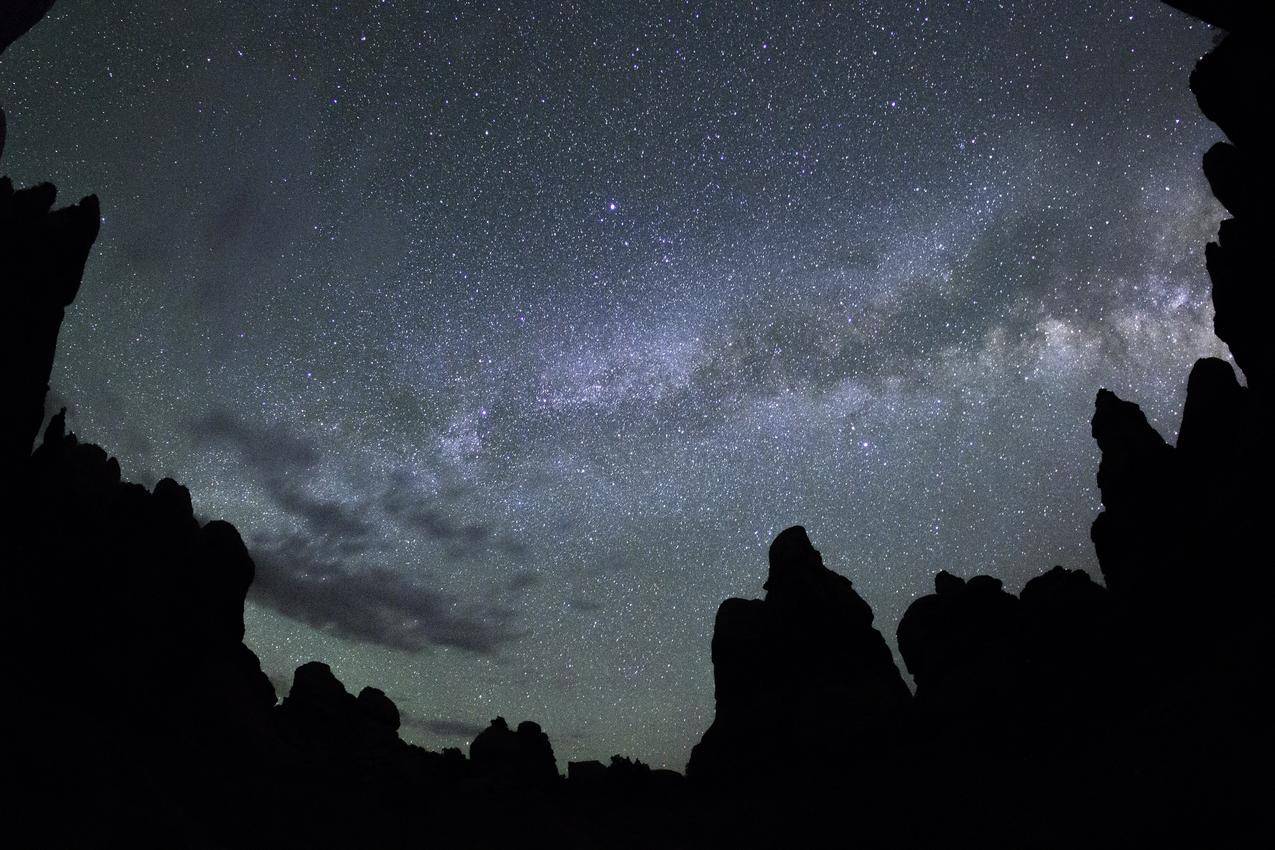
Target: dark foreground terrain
x=1137, y=712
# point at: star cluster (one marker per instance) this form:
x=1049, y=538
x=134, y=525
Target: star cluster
x=510, y=334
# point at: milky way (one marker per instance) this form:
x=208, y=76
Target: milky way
x=510, y=335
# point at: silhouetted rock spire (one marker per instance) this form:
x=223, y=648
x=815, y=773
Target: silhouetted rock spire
x=802, y=665
x=1137, y=478
x=522, y=757
x=42, y=256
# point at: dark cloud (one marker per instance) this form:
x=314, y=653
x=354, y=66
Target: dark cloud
x=444, y=728
x=275, y=454
x=323, y=516
x=302, y=580
x=436, y=525
x=416, y=511
x=321, y=579
x=584, y=605
x=269, y=450
x=522, y=581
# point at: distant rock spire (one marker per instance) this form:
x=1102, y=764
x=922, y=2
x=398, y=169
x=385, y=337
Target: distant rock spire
x=803, y=665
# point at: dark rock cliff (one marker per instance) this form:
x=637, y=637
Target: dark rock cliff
x=803, y=664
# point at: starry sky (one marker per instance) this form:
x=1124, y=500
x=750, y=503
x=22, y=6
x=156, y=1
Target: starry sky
x=509, y=334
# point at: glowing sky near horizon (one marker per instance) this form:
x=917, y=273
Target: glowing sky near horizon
x=510, y=334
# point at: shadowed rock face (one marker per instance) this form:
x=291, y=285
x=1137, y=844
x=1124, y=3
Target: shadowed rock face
x=514, y=758
x=1170, y=512
x=1137, y=478
x=962, y=646
x=1174, y=516
x=131, y=568
x=802, y=665
x=998, y=676
x=129, y=618
x=1231, y=84
x=18, y=16
x=42, y=256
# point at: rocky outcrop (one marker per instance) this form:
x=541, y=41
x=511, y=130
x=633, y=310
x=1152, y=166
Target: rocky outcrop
x=804, y=664
x=1168, y=511
x=18, y=16
x=998, y=675
x=42, y=257
x=138, y=609
x=132, y=570
x=1138, y=480
x=962, y=646
x=1182, y=539
x=1232, y=84
x=514, y=758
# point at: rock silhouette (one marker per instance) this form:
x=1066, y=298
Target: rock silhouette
x=1130, y=713
x=963, y=647
x=18, y=16
x=517, y=758
x=802, y=664
x=1135, y=478
x=43, y=252
x=1240, y=173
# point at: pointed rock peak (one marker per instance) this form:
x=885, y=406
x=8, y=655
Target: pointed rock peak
x=945, y=583
x=1120, y=426
x=55, y=432
x=1212, y=381
x=522, y=756
x=794, y=561
x=798, y=581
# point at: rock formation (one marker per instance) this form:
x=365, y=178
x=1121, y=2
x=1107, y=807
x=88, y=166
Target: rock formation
x=18, y=16
x=999, y=676
x=1152, y=676
x=962, y=646
x=802, y=665
x=42, y=256
x=1137, y=479
x=514, y=758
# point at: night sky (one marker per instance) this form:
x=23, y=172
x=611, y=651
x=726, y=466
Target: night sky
x=509, y=335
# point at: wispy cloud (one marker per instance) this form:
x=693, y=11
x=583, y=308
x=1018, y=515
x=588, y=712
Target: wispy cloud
x=334, y=576
x=374, y=604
